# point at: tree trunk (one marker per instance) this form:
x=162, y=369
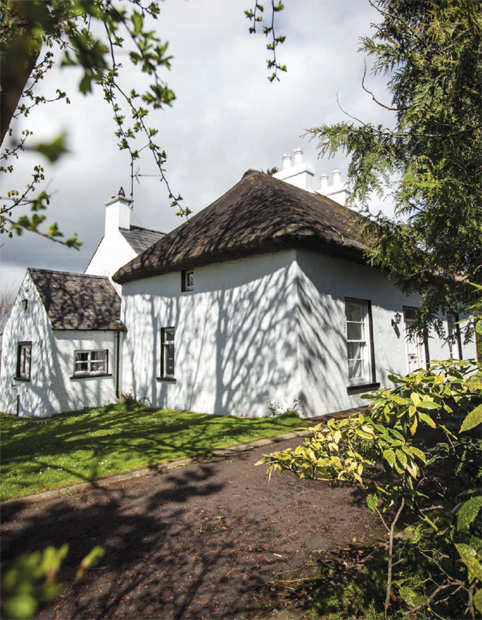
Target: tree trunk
x=20, y=49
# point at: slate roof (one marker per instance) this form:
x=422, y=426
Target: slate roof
x=140, y=238
x=78, y=301
x=259, y=214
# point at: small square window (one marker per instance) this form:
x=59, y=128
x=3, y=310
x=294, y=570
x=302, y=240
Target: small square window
x=90, y=362
x=187, y=282
x=24, y=360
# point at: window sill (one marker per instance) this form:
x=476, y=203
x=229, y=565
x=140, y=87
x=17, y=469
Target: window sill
x=21, y=379
x=362, y=387
x=92, y=376
x=166, y=380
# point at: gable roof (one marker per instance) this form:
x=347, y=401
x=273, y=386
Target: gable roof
x=78, y=301
x=259, y=214
x=140, y=238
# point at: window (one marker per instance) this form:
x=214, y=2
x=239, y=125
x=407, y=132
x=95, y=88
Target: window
x=90, y=362
x=187, y=280
x=359, y=342
x=455, y=344
x=417, y=346
x=24, y=360
x=167, y=352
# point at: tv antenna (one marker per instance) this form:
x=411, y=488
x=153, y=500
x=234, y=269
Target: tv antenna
x=136, y=174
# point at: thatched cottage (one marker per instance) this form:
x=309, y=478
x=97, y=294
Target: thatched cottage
x=264, y=296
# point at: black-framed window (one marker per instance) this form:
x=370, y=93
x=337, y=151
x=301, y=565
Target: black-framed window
x=167, y=352
x=24, y=360
x=359, y=342
x=95, y=362
x=187, y=280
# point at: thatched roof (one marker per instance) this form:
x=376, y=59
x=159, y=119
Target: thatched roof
x=259, y=214
x=140, y=238
x=78, y=301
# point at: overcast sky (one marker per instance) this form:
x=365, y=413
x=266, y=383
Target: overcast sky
x=226, y=119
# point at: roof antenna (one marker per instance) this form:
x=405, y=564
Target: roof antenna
x=135, y=175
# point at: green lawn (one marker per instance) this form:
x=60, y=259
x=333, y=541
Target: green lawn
x=43, y=454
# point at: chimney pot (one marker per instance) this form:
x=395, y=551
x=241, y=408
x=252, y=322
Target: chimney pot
x=336, y=176
x=121, y=193
x=286, y=161
x=324, y=181
x=298, y=156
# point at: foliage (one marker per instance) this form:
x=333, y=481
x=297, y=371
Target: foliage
x=42, y=454
x=32, y=579
x=384, y=451
x=428, y=156
x=255, y=15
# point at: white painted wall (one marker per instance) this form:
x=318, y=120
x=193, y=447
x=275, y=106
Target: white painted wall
x=236, y=345
x=324, y=283
x=50, y=389
x=270, y=327
x=27, y=397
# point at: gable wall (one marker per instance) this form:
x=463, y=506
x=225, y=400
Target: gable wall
x=235, y=340
x=324, y=283
x=112, y=253
x=32, y=325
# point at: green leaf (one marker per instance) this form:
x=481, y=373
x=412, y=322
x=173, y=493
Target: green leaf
x=473, y=419
x=137, y=22
x=53, y=150
x=467, y=513
x=389, y=456
x=22, y=606
x=372, y=501
x=478, y=600
x=467, y=555
x=427, y=419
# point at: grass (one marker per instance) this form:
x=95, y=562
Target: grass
x=47, y=453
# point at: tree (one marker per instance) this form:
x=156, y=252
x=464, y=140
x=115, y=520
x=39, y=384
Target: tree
x=429, y=159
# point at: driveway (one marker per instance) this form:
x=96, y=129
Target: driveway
x=200, y=542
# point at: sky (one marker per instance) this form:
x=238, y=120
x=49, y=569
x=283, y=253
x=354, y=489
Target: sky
x=227, y=118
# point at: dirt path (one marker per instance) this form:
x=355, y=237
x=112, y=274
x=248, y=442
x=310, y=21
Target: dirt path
x=197, y=543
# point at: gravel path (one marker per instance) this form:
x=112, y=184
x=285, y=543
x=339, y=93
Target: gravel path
x=200, y=542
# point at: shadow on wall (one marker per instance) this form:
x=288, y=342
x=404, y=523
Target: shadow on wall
x=236, y=345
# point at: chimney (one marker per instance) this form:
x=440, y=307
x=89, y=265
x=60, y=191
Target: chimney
x=336, y=191
x=287, y=161
x=299, y=174
x=117, y=213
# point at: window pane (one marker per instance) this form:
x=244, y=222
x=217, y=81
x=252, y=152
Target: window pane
x=356, y=351
x=356, y=369
x=355, y=311
x=355, y=331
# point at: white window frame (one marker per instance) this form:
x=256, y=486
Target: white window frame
x=187, y=280
x=91, y=362
x=364, y=341
x=453, y=335
x=24, y=361
x=168, y=352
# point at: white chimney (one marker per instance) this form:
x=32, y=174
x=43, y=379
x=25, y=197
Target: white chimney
x=324, y=182
x=337, y=190
x=287, y=161
x=300, y=174
x=118, y=213
x=298, y=153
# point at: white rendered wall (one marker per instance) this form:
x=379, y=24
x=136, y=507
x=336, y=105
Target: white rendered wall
x=71, y=393
x=32, y=325
x=235, y=343
x=324, y=283
x=112, y=253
